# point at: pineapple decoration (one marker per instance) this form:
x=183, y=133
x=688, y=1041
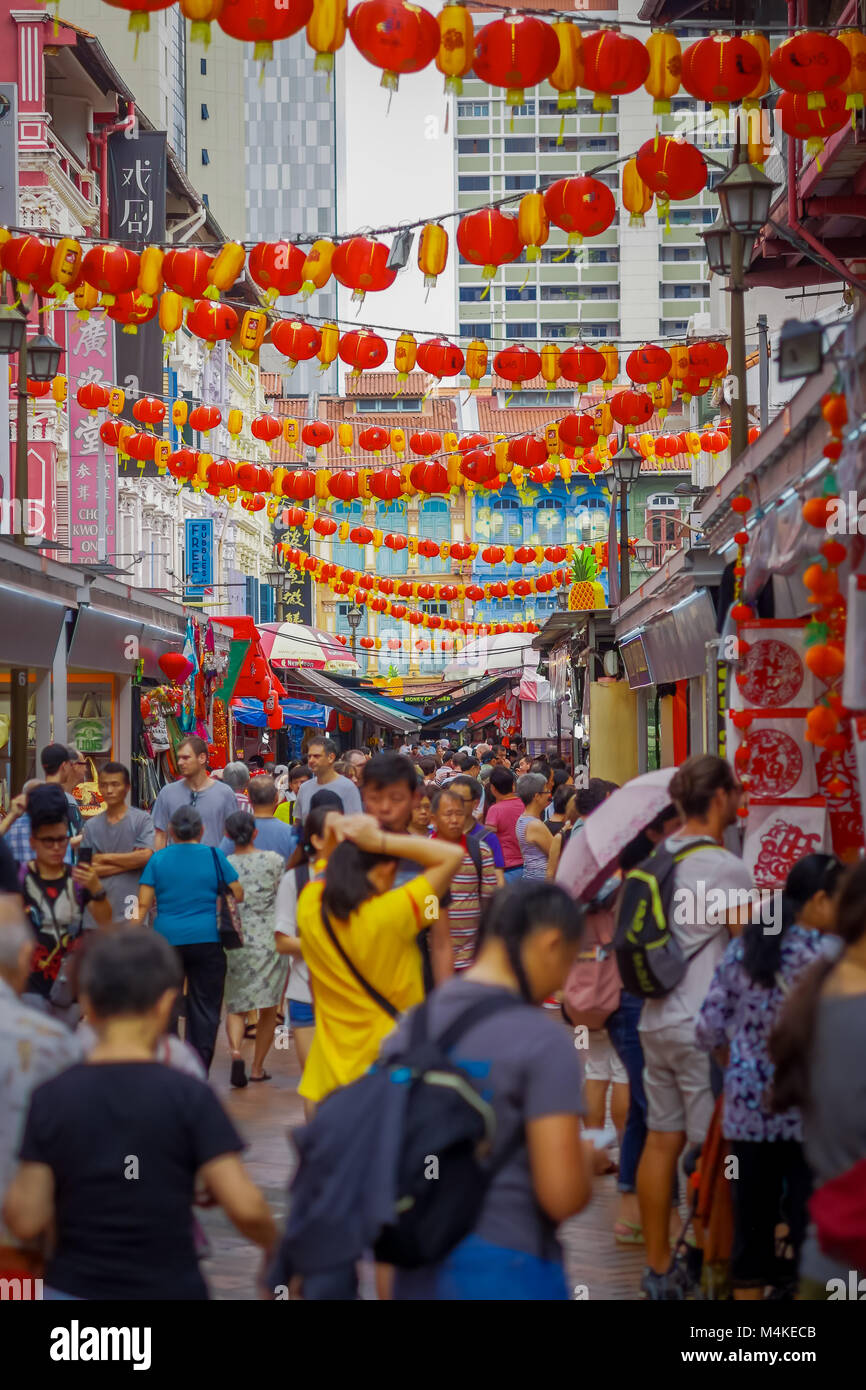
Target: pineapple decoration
x=585, y=591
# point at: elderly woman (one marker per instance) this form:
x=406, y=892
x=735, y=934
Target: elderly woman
x=255, y=975
x=539, y=848
x=184, y=880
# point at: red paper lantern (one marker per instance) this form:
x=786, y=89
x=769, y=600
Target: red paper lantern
x=430, y=477
x=582, y=365
x=176, y=666
x=112, y=270
x=343, y=486
x=130, y=308
x=301, y=485
x=185, y=270
x=362, y=350
x=205, y=418
x=386, y=485
x=578, y=432
x=515, y=53
x=581, y=206
x=475, y=593
x=317, y=434
x=543, y=474
x=222, y=473
x=93, y=397
x=613, y=63
x=148, y=410
x=213, y=321
x=714, y=442
x=517, y=364
x=493, y=555
x=253, y=504
x=488, y=238
x=262, y=22
x=672, y=169
x=631, y=408
x=324, y=526
x=277, y=268
x=183, y=463
x=26, y=258
x=440, y=358
x=394, y=36
x=395, y=542
x=813, y=124
x=710, y=359
x=648, y=365
x=140, y=445
x=810, y=64
x=361, y=264
x=296, y=340
x=374, y=439
x=430, y=551
x=479, y=467
x=721, y=68
x=266, y=428
x=527, y=451
x=425, y=443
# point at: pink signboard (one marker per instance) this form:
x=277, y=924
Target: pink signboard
x=90, y=358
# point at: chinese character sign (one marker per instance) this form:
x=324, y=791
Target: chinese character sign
x=298, y=597
x=90, y=358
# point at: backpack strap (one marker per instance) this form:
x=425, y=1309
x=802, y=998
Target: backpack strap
x=374, y=994
x=302, y=876
x=476, y=1013
x=473, y=849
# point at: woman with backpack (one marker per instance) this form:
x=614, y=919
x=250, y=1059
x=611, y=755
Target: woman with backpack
x=255, y=974
x=525, y=1064
x=748, y=991
x=817, y=1049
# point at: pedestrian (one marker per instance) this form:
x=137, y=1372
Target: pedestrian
x=344, y=768
x=255, y=975
x=474, y=882
x=33, y=1048
x=298, y=774
x=271, y=832
x=353, y=925
x=677, y=1080
x=114, y=1146
x=237, y=777
x=212, y=800
x=56, y=895
x=817, y=1049
x=472, y=792
x=184, y=882
x=15, y=825
x=322, y=754
x=757, y=973
x=526, y=1066
x=419, y=823
x=121, y=839
x=359, y=757
x=390, y=788
x=503, y=816
x=558, y=822
x=539, y=848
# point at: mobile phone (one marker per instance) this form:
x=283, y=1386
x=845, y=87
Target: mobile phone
x=85, y=855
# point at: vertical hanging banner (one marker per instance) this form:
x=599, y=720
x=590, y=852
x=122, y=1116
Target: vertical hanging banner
x=89, y=358
x=298, y=594
x=8, y=217
x=136, y=213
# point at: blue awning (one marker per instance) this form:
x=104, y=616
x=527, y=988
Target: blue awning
x=300, y=712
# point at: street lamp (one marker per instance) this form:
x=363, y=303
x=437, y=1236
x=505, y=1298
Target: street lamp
x=626, y=464
x=12, y=328
x=276, y=579
x=354, y=616
x=43, y=358
x=801, y=349
x=745, y=196
x=562, y=600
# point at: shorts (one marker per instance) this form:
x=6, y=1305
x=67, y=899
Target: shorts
x=301, y=1014
x=676, y=1080
x=601, y=1061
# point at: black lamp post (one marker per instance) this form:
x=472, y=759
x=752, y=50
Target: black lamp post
x=626, y=464
x=354, y=616
x=745, y=195
x=276, y=579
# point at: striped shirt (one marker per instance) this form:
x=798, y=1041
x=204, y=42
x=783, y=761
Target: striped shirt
x=466, y=898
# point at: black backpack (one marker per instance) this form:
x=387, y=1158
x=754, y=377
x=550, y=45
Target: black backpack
x=650, y=958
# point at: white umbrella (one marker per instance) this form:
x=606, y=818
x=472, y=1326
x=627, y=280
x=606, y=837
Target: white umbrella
x=296, y=644
x=495, y=655
x=592, y=851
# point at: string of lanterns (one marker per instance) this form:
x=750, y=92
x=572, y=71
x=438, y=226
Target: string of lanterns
x=519, y=51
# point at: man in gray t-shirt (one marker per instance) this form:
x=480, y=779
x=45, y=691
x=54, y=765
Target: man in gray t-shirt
x=213, y=800
x=321, y=756
x=122, y=840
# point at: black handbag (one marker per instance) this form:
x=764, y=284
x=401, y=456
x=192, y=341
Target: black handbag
x=231, y=932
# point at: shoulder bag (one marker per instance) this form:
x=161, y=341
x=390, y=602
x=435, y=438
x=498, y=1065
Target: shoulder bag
x=231, y=932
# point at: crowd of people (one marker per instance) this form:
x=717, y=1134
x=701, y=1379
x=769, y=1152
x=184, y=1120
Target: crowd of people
x=431, y=897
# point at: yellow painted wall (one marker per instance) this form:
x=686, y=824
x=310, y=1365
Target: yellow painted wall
x=613, y=732
x=666, y=722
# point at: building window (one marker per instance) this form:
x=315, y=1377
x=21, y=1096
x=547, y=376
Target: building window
x=560, y=292
x=519, y=144
x=527, y=109
x=601, y=255
x=473, y=145
x=685, y=217
x=542, y=398
x=205, y=114
x=551, y=254
x=549, y=527
x=473, y=183
x=523, y=330
x=514, y=183
x=372, y=405
x=203, y=68
x=672, y=328
x=524, y=293
x=551, y=144
x=392, y=518
x=434, y=524
x=473, y=110
x=471, y=294
x=475, y=330
x=205, y=157
x=344, y=553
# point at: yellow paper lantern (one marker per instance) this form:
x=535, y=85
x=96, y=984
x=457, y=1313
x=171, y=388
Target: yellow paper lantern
x=200, y=14
x=533, y=225
x=65, y=265
x=316, y=269
x=761, y=45
x=170, y=312
x=234, y=422
x=550, y=355
x=272, y=510
x=150, y=274
x=551, y=439
x=680, y=364
x=398, y=441
x=291, y=432
x=637, y=198
x=345, y=436
x=227, y=266
x=854, y=85
x=59, y=390
x=405, y=353
x=85, y=299
x=666, y=68
x=179, y=414
x=476, y=362
x=253, y=327
x=456, y=46
x=567, y=76
x=330, y=345
x=432, y=252
x=611, y=364
x=161, y=452
x=116, y=400
x=326, y=32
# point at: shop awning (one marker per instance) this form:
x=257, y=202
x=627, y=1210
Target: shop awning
x=395, y=706
x=303, y=713
x=488, y=694
x=304, y=683
x=31, y=624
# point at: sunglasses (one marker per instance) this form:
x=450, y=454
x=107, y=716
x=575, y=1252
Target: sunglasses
x=51, y=839
x=193, y=798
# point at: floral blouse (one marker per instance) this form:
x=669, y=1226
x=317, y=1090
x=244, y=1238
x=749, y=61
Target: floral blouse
x=739, y=1012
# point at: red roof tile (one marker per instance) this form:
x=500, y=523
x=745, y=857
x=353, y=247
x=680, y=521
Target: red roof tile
x=386, y=384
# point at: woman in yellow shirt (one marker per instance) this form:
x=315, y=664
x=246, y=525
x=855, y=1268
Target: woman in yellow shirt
x=373, y=928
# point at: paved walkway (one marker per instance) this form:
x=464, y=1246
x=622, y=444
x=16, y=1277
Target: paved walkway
x=265, y=1115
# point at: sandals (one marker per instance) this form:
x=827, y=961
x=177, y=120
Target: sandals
x=265, y=1076
x=628, y=1233
x=250, y=1030
x=238, y=1076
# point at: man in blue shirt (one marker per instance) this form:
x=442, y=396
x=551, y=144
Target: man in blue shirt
x=271, y=832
